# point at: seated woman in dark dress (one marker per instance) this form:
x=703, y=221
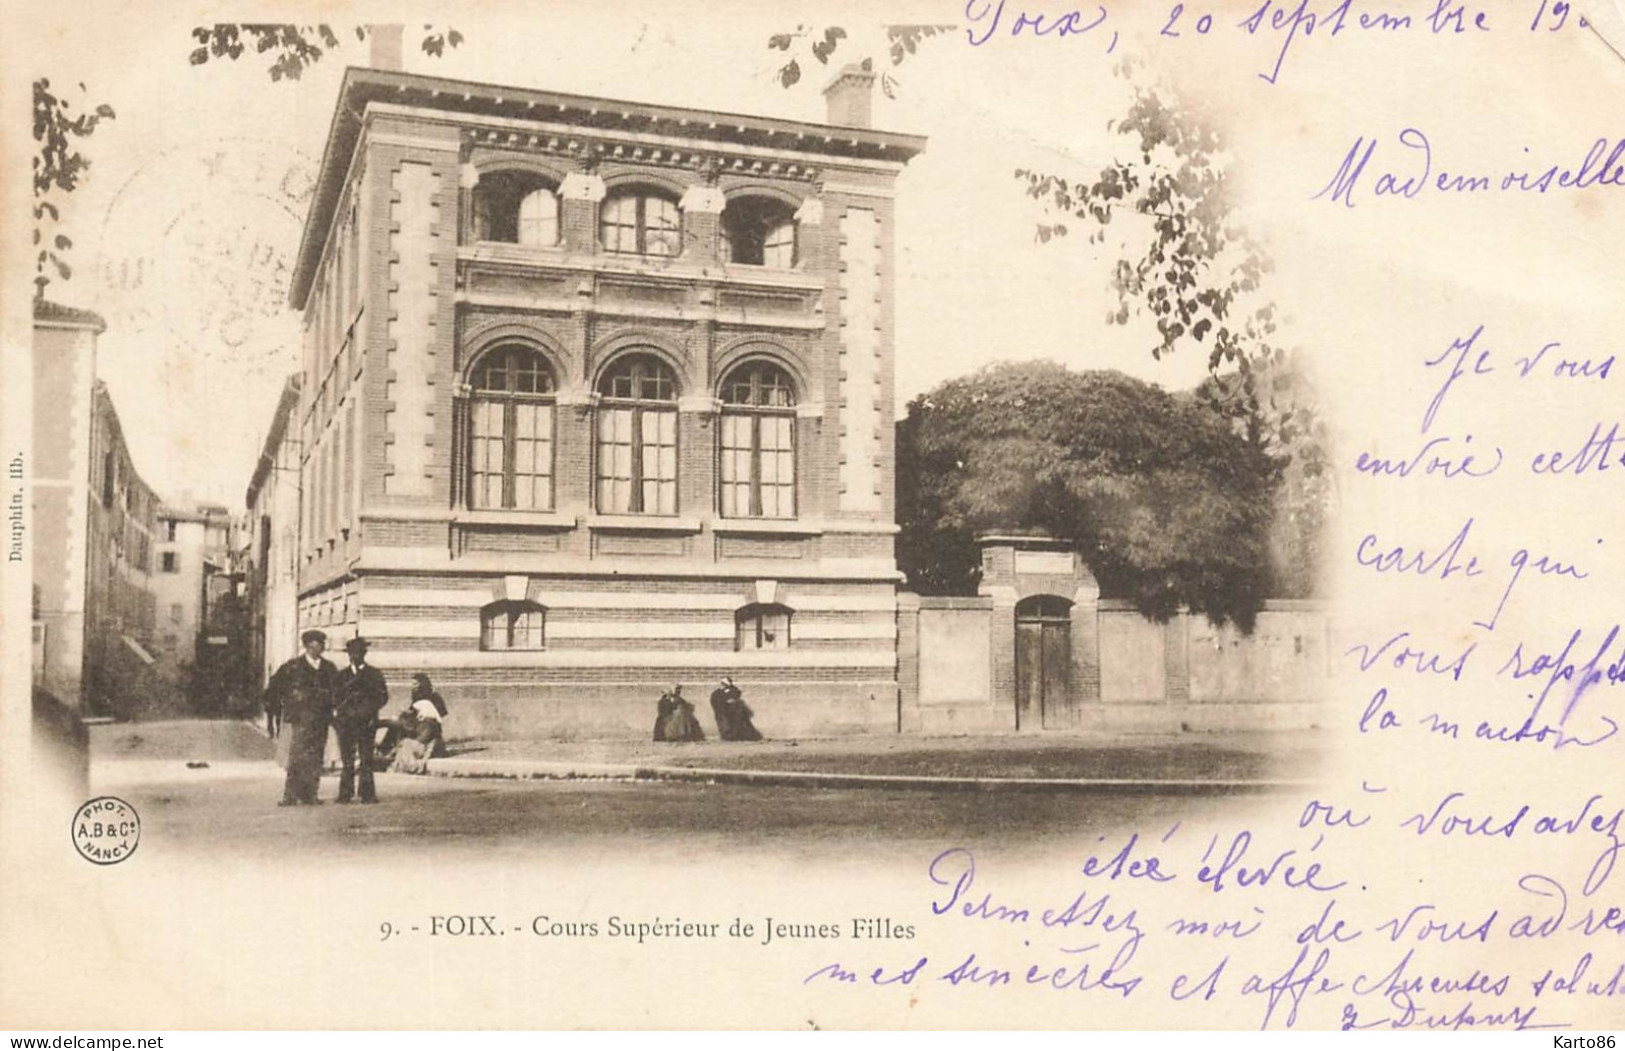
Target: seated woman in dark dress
x=674, y=718
x=732, y=713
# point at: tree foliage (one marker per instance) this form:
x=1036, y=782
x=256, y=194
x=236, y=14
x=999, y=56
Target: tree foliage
x=1166, y=502
x=293, y=48
x=57, y=167
x=898, y=41
x=1186, y=262
x=1184, y=259
x=59, y=162
x=1280, y=413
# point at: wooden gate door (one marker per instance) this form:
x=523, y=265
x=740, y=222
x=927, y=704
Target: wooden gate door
x=1044, y=664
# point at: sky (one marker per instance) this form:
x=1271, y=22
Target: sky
x=186, y=226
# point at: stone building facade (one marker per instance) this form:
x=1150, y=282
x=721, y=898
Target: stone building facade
x=271, y=551
x=597, y=397
x=94, y=520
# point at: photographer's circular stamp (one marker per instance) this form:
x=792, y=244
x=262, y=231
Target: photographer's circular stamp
x=106, y=830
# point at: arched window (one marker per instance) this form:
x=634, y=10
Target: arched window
x=641, y=222
x=761, y=626
x=637, y=437
x=513, y=626
x=758, y=469
x=517, y=207
x=760, y=231
x=510, y=460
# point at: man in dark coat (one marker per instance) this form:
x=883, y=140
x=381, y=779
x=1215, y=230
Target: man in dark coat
x=305, y=688
x=362, y=695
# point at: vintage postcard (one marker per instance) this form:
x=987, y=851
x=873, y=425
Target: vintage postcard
x=892, y=515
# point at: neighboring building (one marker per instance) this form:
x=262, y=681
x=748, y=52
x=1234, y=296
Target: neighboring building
x=177, y=588
x=271, y=559
x=193, y=577
x=93, y=524
x=597, y=396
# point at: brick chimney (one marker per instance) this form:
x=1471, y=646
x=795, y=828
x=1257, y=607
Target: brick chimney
x=849, y=96
x=386, y=46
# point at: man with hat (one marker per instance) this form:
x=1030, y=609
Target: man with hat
x=362, y=695
x=305, y=688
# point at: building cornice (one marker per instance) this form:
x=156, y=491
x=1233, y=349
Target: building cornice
x=466, y=101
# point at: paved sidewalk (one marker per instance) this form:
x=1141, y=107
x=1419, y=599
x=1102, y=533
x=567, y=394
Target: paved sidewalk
x=1160, y=762
x=215, y=750
x=197, y=740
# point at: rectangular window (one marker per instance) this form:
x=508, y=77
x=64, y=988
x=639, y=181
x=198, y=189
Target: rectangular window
x=777, y=466
x=487, y=455
x=514, y=626
x=758, y=469
x=779, y=247
x=659, y=474
x=663, y=225
x=736, y=466
x=175, y=612
x=170, y=562
x=615, y=461
x=169, y=531
x=532, y=456
x=511, y=455
x=763, y=628
x=618, y=225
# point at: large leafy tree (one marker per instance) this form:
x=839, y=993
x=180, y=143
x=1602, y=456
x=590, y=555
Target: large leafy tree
x=1162, y=208
x=1168, y=504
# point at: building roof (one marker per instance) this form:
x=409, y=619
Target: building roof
x=49, y=313
x=103, y=399
x=606, y=116
x=273, y=437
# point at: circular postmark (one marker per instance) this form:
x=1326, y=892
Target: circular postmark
x=106, y=830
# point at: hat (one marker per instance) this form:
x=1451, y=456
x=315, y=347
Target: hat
x=422, y=677
x=313, y=636
x=357, y=643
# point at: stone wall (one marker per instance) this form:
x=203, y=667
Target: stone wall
x=958, y=673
